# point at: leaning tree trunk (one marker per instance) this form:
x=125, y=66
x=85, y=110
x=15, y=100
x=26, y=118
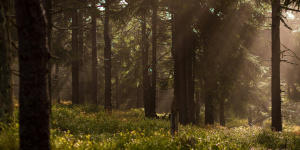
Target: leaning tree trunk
x=6, y=82
x=33, y=63
x=75, y=75
x=107, y=59
x=276, y=98
x=94, y=57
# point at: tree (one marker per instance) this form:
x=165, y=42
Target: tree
x=107, y=58
x=80, y=54
x=152, y=102
x=276, y=91
x=94, y=56
x=6, y=84
x=144, y=47
x=75, y=74
x=33, y=63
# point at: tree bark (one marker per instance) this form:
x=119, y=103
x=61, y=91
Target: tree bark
x=181, y=26
x=48, y=8
x=276, y=91
x=80, y=56
x=94, y=57
x=146, y=80
x=117, y=92
x=154, y=63
x=197, y=107
x=107, y=59
x=75, y=75
x=190, y=75
x=222, y=111
x=6, y=82
x=33, y=63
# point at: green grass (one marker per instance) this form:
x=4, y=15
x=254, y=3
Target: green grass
x=89, y=127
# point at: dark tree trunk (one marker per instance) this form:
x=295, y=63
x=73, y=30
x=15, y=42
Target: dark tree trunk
x=6, y=82
x=117, y=93
x=80, y=56
x=33, y=63
x=190, y=75
x=138, y=97
x=107, y=59
x=209, y=107
x=75, y=75
x=222, y=111
x=146, y=80
x=276, y=92
x=94, y=57
x=181, y=27
x=174, y=107
x=154, y=63
x=250, y=117
x=48, y=8
x=197, y=107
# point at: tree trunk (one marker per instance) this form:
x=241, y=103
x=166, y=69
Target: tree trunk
x=209, y=107
x=190, y=75
x=146, y=80
x=33, y=63
x=117, y=92
x=197, y=107
x=250, y=117
x=174, y=107
x=94, y=57
x=154, y=63
x=180, y=65
x=222, y=111
x=80, y=56
x=276, y=92
x=6, y=82
x=107, y=59
x=75, y=75
x=48, y=8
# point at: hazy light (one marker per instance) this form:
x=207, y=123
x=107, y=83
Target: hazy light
x=290, y=16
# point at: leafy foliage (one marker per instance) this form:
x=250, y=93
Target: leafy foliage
x=89, y=127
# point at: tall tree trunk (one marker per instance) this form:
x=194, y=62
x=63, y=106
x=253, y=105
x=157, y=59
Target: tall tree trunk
x=33, y=63
x=209, y=103
x=48, y=8
x=117, y=92
x=276, y=92
x=80, y=59
x=222, y=111
x=154, y=62
x=6, y=82
x=250, y=117
x=197, y=107
x=94, y=56
x=145, y=66
x=107, y=59
x=190, y=75
x=174, y=107
x=75, y=75
x=181, y=26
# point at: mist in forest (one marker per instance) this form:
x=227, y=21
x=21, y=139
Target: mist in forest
x=92, y=70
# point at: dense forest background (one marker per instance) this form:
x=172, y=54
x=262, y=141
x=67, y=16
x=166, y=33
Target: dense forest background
x=193, y=62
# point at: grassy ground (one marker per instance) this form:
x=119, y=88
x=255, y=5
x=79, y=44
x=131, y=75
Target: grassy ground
x=88, y=127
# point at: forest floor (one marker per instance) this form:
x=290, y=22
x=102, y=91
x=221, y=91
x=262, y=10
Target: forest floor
x=89, y=127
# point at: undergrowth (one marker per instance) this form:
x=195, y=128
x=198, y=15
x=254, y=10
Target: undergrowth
x=89, y=127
